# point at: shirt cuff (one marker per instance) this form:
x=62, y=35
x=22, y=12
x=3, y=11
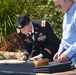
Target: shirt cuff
x=26, y=54
x=69, y=53
x=61, y=49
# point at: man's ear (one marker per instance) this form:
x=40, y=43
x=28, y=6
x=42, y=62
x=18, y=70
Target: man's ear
x=18, y=30
x=30, y=24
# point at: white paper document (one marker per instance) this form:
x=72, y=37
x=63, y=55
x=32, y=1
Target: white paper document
x=11, y=61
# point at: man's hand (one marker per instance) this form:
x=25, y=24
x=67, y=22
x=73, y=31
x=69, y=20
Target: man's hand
x=36, y=57
x=63, y=57
x=60, y=57
x=21, y=57
x=56, y=56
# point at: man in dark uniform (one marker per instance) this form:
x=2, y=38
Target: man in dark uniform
x=38, y=38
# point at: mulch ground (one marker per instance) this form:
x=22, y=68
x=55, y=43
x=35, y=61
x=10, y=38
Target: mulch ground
x=10, y=45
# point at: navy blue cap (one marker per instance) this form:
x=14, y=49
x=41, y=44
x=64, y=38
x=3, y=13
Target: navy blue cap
x=22, y=21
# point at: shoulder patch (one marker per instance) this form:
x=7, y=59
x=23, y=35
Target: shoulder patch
x=18, y=30
x=43, y=23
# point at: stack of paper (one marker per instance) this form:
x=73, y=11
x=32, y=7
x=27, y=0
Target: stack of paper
x=11, y=61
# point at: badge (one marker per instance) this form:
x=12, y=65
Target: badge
x=36, y=32
x=41, y=37
x=43, y=23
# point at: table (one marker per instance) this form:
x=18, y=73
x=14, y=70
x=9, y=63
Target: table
x=25, y=68
x=72, y=72
x=15, y=67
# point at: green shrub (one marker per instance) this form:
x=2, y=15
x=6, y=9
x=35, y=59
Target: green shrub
x=38, y=9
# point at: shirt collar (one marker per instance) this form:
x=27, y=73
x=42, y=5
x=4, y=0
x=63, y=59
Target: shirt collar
x=32, y=29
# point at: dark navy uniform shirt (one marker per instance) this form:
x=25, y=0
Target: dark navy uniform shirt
x=45, y=41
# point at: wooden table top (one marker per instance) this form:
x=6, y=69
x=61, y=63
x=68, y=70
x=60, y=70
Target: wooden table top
x=72, y=72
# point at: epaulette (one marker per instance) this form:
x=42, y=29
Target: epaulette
x=18, y=30
x=43, y=23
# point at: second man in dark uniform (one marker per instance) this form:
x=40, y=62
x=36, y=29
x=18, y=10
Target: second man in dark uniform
x=38, y=38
